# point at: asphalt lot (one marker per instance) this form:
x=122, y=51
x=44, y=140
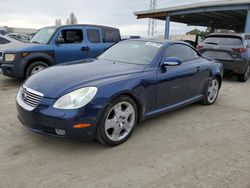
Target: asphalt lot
x=196, y=146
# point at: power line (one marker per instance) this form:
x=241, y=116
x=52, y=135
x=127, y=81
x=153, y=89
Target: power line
x=152, y=24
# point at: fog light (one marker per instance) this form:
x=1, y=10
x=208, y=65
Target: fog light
x=60, y=132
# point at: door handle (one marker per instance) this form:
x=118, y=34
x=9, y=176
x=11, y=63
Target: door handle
x=198, y=68
x=85, y=48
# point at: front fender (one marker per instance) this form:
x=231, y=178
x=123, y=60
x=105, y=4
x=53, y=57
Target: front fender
x=131, y=88
x=46, y=56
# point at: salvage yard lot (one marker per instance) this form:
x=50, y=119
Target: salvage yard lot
x=196, y=146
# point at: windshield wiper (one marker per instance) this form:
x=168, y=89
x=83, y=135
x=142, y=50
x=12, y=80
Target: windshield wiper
x=35, y=42
x=211, y=43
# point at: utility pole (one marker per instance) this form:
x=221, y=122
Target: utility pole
x=152, y=25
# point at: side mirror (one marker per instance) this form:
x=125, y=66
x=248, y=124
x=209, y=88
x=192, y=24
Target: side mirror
x=172, y=61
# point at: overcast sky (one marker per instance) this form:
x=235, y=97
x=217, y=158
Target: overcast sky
x=117, y=13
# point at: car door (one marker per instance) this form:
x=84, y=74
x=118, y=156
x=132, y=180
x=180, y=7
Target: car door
x=94, y=41
x=69, y=43
x=178, y=83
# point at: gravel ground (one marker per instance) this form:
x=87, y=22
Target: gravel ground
x=196, y=146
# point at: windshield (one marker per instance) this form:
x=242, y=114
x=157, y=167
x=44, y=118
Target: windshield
x=134, y=52
x=43, y=36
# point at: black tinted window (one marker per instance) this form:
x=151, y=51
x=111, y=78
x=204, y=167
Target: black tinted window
x=71, y=36
x=223, y=40
x=94, y=35
x=181, y=51
x=111, y=36
x=4, y=41
x=247, y=37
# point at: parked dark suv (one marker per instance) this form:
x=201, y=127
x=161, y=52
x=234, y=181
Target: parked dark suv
x=233, y=50
x=55, y=45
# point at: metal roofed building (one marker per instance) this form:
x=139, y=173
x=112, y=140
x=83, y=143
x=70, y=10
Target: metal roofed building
x=227, y=14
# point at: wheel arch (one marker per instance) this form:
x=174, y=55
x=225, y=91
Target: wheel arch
x=134, y=98
x=44, y=60
x=219, y=79
x=27, y=61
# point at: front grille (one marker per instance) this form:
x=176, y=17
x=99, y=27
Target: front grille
x=30, y=97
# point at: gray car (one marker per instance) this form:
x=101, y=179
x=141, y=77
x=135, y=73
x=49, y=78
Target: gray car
x=231, y=49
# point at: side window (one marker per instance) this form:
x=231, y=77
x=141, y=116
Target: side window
x=196, y=55
x=248, y=42
x=4, y=41
x=181, y=51
x=94, y=35
x=247, y=38
x=111, y=36
x=69, y=36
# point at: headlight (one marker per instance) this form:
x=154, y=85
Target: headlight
x=9, y=57
x=76, y=99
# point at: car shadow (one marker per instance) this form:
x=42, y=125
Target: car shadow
x=60, y=145
x=163, y=117
x=7, y=83
x=230, y=77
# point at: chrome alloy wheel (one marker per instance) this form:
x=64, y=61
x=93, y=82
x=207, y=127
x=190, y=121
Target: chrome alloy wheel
x=120, y=121
x=213, y=90
x=37, y=69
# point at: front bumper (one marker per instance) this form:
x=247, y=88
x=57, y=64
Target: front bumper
x=44, y=119
x=9, y=70
x=237, y=67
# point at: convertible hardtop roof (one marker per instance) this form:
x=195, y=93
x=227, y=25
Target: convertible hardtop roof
x=90, y=25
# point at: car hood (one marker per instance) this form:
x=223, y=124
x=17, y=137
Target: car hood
x=61, y=79
x=21, y=46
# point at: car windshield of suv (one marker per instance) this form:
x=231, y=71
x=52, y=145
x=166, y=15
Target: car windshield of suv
x=43, y=36
x=133, y=52
x=223, y=40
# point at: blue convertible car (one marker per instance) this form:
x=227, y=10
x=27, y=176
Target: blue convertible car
x=105, y=98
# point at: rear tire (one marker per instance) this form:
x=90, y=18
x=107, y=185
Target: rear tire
x=35, y=67
x=118, y=121
x=212, y=92
x=244, y=77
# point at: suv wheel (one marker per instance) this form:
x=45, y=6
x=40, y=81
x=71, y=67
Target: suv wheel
x=244, y=77
x=35, y=67
x=118, y=121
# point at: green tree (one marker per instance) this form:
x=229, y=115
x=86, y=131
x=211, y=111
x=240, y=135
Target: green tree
x=71, y=20
x=194, y=32
x=199, y=32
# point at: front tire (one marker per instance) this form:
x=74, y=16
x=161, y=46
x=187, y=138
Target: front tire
x=244, y=77
x=35, y=67
x=118, y=121
x=212, y=92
